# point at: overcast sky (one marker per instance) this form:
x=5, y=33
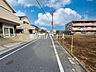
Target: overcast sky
x=64, y=11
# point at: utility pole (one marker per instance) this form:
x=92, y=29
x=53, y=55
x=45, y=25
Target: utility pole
x=72, y=44
x=52, y=19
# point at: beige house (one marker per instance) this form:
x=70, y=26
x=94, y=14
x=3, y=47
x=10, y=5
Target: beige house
x=8, y=21
x=25, y=26
x=81, y=27
x=36, y=30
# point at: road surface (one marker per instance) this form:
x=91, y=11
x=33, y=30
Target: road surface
x=38, y=56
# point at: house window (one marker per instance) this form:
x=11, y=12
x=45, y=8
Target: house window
x=30, y=31
x=6, y=32
x=24, y=22
x=11, y=32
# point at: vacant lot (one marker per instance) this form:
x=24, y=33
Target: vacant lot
x=84, y=48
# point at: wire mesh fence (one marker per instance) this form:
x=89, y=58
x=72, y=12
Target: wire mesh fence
x=82, y=47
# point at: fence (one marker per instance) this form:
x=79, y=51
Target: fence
x=33, y=36
x=83, y=47
x=24, y=37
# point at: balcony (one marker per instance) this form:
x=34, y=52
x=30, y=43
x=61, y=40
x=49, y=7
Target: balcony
x=91, y=29
x=84, y=29
x=77, y=28
x=84, y=24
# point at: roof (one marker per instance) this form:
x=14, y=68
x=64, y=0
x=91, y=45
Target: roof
x=8, y=22
x=35, y=26
x=23, y=17
x=10, y=6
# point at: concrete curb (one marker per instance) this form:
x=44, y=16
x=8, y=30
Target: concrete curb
x=8, y=49
x=4, y=52
x=86, y=70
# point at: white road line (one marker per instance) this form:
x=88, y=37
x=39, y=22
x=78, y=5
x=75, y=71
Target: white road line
x=58, y=59
x=71, y=61
x=17, y=50
x=67, y=54
x=73, y=70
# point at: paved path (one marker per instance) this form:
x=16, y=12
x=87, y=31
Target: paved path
x=36, y=57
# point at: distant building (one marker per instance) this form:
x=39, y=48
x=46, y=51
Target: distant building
x=53, y=31
x=81, y=27
x=36, y=30
x=59, y=31
x=8, y=21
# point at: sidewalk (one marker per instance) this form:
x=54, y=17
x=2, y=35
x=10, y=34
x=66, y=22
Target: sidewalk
x=12, y=45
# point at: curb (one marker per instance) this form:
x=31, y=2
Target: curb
x=11, y=47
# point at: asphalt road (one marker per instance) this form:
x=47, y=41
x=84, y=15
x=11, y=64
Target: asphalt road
x=39, y=56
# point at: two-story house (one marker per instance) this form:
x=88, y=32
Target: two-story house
x=25, y=26
x=8, y=21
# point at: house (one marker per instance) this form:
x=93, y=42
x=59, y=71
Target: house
x=81, y=27
x=25, y=26
x=53, y=31
x=36, y=30
x=8, y=21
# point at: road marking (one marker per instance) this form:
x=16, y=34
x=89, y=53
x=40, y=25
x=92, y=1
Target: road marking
x=58, y=59
x=17, y=50
x=71, y=61
x=73, y=70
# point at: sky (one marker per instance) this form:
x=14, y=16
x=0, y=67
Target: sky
x=64, y=11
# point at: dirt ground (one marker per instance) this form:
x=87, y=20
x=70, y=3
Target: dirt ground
x=84, y=48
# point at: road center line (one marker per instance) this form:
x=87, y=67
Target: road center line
x=17, y=50
x=57, y=57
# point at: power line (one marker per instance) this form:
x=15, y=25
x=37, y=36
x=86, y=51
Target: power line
x=41, y=8
x=45, y=13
